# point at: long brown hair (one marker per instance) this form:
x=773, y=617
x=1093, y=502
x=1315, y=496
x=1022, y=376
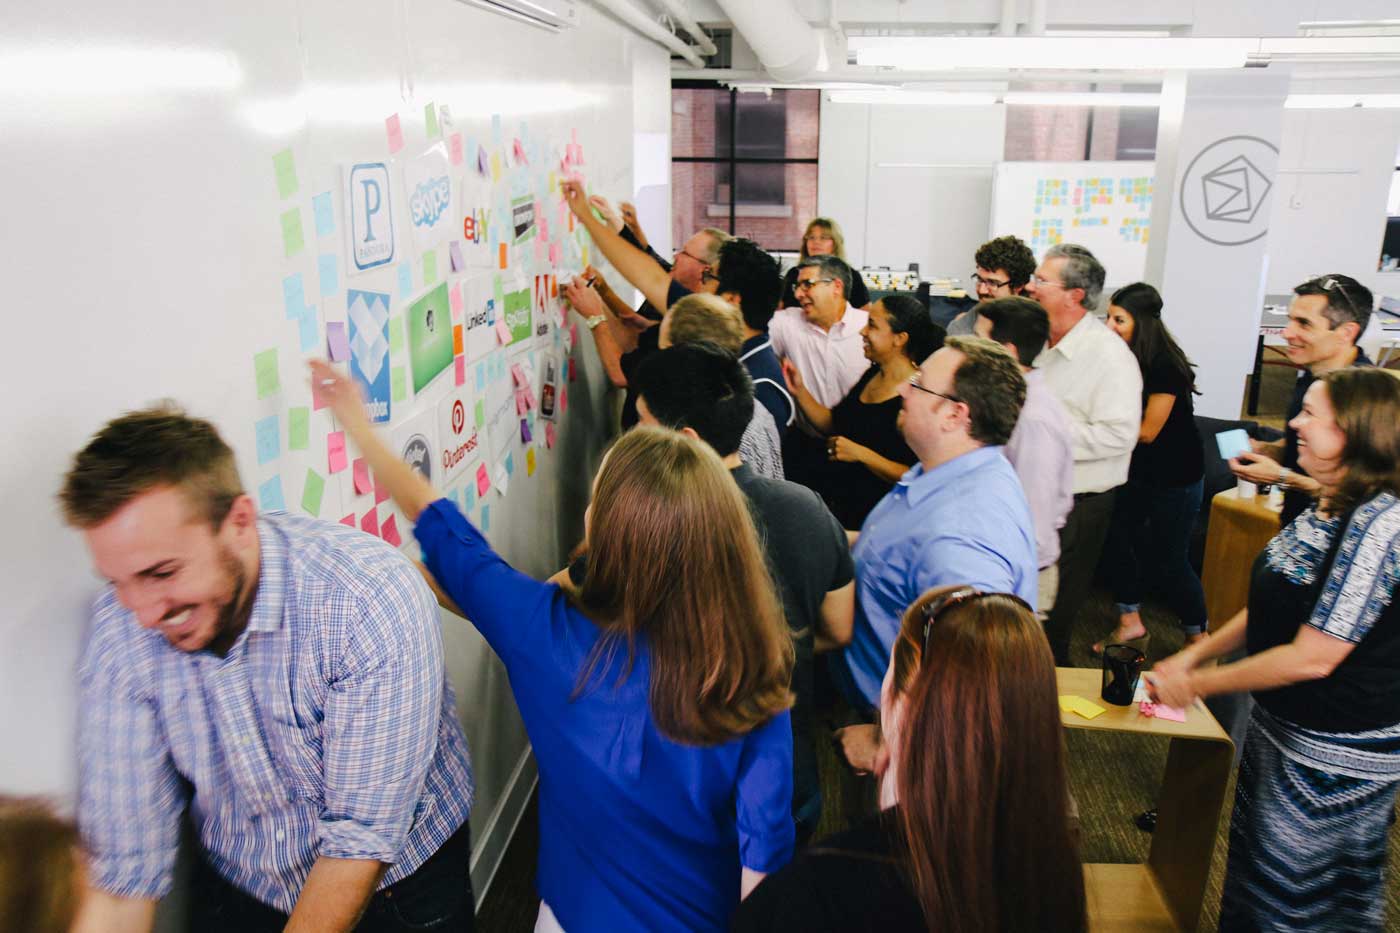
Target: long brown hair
x=981, y=771
x=674, y=558
x=39, y=868
x=1366, y=404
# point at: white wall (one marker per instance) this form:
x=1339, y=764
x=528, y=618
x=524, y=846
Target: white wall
x=910, y=183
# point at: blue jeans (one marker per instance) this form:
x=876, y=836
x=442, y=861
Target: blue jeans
x=1148, y=538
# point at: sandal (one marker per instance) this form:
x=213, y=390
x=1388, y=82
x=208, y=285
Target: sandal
x=1140, y=643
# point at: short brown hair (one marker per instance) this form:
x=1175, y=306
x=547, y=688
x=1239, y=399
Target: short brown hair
x=1366, y=404
x=144, y=450
x=710, y=318
x=39, y=890
x=989, y=381
x=673, y=555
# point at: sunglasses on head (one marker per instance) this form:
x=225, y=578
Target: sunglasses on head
x=957, y=597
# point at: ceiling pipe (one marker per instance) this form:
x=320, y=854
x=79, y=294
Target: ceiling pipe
x=643, y=24
x=1007, y=26
x=789, y=48
x=677, y=11
x=1035, y=24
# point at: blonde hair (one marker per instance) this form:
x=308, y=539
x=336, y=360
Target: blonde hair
x=718, y=238
x=838, y=239
x=706, y=317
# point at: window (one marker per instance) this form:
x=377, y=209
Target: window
x=1390, y=245
x=1070, y=134
x=745, y=163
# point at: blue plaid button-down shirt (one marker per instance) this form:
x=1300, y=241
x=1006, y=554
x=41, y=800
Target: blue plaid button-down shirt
x=329, y=729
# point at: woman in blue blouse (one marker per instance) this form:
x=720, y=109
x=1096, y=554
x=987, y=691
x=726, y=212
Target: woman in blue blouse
x=1321, y=764
x=655, y=698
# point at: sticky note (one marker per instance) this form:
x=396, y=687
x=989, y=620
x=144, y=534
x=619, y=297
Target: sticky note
x=292, y=237
x=480, y=413
x=530, y=461
x=468, y=498
x=461, y=370
x=298, y=428
x=554, y=254
x=517, y=374
x=573, y=376
x=430, y=267
x=381, y=492
x=396, y=334
x=324, y=212
x=269, y=440
x=265, y=369
x=394, y=131
x=430, y=117
x=405, y=280
x=482, y=165
x=293, y=296
x=525, y=435
x=495, y=166
x=337, y=341
x=308, y=328
x=318, y=399
x=454, y=256
x=389, y=531
x=457, y=339
x=522, y=403
x=501, y=478
x=502, y=331
x=349, y=520
x=563, y=398
x=398, y=384
x=480, y=376
x=541, y=250
x=504, y=256
x=454, y=148
x=369, y=522
x=485, y=518
x=335, y=451
x=510, y=464
x=1079, y=705
x=454, y=298
x=311, y=493
x=362, y=480
x=549, y=434
x=330, y=279
x=1162, y=711
x=285, y=170
x=270, y=495
x=483, y=480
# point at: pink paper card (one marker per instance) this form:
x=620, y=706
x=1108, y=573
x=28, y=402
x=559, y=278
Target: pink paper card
x=381, y=492
x=461, y=363
x=454, y=297
x=522, y=403
x=572, y=375
x=554, y=254
x=541, y=251
x=394, y=130
x=389, y=531
x=502, y=331
x=369, y=523
x=318, y=401
x=563, y=398
x=349, y=520
x=517, y=375
x=519, y=152
x=335, y=451
x=483, y=481
x=362, y=480
x=549, y=434
x=454, y=143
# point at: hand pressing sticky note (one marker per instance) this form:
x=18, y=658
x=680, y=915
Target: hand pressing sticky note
x=389, y=531
x=312, y=492
x=335, y=451
x=265, y=370
x=298, y=428
x=293, y=238
x=337, y=342
x=362, y=480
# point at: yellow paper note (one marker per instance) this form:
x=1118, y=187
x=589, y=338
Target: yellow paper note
x=530, y=461
x=1086, y=709
x=1067, y=704
x=495, y=167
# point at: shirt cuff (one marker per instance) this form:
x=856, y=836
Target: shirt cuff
x=350, y=840
x=767, y=853
x=144, y=876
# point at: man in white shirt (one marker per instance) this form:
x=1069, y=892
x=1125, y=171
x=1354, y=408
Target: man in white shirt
x=1097, y=380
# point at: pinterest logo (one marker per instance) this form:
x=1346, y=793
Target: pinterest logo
x=459, y=416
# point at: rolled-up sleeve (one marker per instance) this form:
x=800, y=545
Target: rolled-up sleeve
x=764, y=805
x=381, y=721
x=130, y=797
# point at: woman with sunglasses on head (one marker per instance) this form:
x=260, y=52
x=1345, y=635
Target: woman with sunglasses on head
x=1153, y=511
x=866, y=453
x=1317, y=781
x=823, y=238
x=975, y=835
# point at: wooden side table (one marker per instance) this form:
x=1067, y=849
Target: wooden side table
x=1166, y=892
x=1239, y=529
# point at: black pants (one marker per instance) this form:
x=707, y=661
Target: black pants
x=437, y=897
x=1081, y=541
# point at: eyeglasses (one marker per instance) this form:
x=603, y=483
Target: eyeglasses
x=682, y=252
x=819, y=238
x=914, y=381
x=1038, y=282
x=993, y=284
x=805, y=285
x=966, y=594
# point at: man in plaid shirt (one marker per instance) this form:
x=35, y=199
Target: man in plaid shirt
x=280, y=677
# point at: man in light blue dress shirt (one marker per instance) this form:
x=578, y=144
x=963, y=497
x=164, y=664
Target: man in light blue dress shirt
x=958, y=517
x=279, y=677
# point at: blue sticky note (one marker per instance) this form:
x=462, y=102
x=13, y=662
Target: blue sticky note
x=330, y=279
x=485, y=518
x=325, y=214
x=269, y=436
x=510, y=464
x=293, y=296
x=405, y=280
x=310, y=330
x=270, y=495
x=468, y=497
x=480, y=377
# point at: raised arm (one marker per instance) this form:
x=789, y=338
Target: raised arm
x=589, y=306
x=817, y=414
x=634, y=264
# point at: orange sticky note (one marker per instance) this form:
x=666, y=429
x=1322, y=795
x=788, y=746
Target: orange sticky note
x=505, y=256
x=457, y=339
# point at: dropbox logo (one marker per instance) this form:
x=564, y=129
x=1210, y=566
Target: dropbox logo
x=1225, y=191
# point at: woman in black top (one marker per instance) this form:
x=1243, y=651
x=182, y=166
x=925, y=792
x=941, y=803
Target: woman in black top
x=975, y=835
x=823, y=238
x=866, y=451
x=1321, y=762
x=1153, y=512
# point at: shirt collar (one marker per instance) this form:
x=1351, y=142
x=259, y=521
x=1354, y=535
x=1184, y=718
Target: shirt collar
x=753, y=345
x=1076, y=335
x=272, y=577
x=919, y=484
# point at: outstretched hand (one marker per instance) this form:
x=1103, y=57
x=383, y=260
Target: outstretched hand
x=583, y=299
x=604, y=208
x=340, y=393
x=791, y=375
x=629, y=217
x=575, y=197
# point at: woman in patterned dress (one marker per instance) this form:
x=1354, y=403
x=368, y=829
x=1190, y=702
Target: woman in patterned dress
x=1321, y=762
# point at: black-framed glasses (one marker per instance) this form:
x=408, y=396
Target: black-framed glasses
x=809, y=284
x=966, y=594
x=914, y=381
x=993, y=284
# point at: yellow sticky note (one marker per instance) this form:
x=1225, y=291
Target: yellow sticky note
x=553, y=182
x=530, y=461
x=1067, y=704
x=495, y=167
x=1084, y=708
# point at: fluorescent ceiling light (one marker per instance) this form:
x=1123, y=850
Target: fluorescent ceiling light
x=939, y=53
x=913, y=98
x=1341, y=101
x=86, y=70
x=1080, y=99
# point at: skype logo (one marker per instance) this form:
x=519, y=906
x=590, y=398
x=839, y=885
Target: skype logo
x=430, y=200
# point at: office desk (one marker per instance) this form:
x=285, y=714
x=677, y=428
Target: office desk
x=1238, y=530
x=1166, y=892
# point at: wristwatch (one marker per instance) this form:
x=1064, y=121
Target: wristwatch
x=594, y=321
x=1285, y=477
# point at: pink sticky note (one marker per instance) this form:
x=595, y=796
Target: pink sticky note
x=549, y=434
x=517, y=375
x=502, y=331
x=454, y=143
x=572, y=375
x=461, y=370
x=519, y=152
x=389, y=531
x=543, y=221
x=455, y=298
x=563, y=398
x=349, y=520
x=362, y=480
x=337, y=342
x=522, y=403
x=554, y=254
x=541, y=251
x=483, y=480
x=335, y=451
x=318, y=401
x=381, y=492
x=370, y=522
x=394, y=131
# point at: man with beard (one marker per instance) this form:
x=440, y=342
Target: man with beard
x=279, y=677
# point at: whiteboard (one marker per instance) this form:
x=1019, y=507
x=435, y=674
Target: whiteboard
x=149, y=235
x=1103, y=206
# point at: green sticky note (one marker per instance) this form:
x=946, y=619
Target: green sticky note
x=292, y=237
x=398, y=384
x=430, y=267
x=311, y=493
x=285, y=168
x=298, y=429
x=500, y=293
x=396, y=334
x=265, y=367
x=480, y=413
x=430, y=116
